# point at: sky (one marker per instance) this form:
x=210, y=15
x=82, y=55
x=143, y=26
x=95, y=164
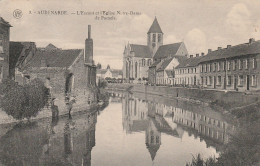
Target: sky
x=200, y=24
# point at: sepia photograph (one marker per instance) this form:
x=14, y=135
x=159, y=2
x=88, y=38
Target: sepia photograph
x=129, y=83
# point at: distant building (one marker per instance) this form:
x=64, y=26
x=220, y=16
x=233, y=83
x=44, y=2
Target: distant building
x=4, y=49
x=188, y=73
x=109, y=73
x=232, y=68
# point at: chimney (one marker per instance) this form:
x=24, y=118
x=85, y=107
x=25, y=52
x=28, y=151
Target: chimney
x=191, y=56
x=202, y=54
x=219, y=48
x=228, y=46
x=89, y=48
x=251, y=40
x=89, y=31
x=209, y=50
x=197, y=55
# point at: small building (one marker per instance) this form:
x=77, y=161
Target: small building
x=110, y=74
x=188, y=73
x=4, y=49
x=69, y=72
x=232, y=68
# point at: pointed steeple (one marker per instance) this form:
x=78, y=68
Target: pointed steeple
x=155, y=27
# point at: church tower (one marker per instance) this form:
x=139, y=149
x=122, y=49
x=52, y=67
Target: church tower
x=154, y=36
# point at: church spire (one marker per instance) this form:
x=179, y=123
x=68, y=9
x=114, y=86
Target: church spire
x=155, y=27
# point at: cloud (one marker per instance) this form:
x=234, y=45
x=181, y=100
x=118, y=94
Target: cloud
x=238, y=19
x=195, y=40
x=170, y=39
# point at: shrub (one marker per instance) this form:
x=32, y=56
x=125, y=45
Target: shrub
x=23, y=101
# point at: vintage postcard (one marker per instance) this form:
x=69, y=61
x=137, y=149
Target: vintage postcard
x=129, y=83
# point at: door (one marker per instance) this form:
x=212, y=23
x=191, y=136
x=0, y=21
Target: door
x=247, y=82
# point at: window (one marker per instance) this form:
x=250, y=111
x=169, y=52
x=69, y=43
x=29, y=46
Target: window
x=246, y=63
x=154, y=37
x=201, y=68
x=218, y=66
x=206, y=80
x=240, y=80
x=219, y=80
x=157, y=139
x=210, y=67
x=202, y=81
x=240, y=64
x=1, y=43
x=143, y=62
x=206, y=68
x=159, y=37
x=149, y=62
x=210, y=80
x=224, y=66
x=228, y=65
x=253, y=80
x=229, y=80
x=234, y=65
x=214, y=67
x=254, y=63
x=1, y=73
x=194, y=70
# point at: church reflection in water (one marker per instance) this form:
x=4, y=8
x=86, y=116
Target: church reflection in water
x=171, y=118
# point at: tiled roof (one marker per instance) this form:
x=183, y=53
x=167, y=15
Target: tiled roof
x=155, y=27
x=18, y=51
x=155, y=64
x=2, y=21
x=238, y=50
x=167, y=50
x=190, y=62
x=142, y=51
x=55, y=58
x=164, y=64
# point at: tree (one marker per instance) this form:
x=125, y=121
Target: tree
x=23, y=101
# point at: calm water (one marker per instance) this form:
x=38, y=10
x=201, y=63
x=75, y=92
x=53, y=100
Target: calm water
x=134, y=129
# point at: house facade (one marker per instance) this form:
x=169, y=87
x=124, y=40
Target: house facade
x=188, y=73
x=232, y=68
x=4, y=49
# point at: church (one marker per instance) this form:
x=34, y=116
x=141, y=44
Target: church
x=141, y=62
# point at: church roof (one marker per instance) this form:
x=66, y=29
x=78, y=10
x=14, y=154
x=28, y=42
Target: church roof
x=141, y=51
x=55, y=58
x=155, y=27
x=167, y=50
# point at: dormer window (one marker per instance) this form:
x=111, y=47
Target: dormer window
x=1, y=43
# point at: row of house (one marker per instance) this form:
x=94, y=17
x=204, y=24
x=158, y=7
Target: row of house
x=68, y=72
x=230, y=68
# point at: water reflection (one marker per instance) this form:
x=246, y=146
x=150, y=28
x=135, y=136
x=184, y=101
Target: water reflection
x=147, y=113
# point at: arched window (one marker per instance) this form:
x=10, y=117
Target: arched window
x=149, y=62
x=159, y=37
x=143, y=62
x=154, y=37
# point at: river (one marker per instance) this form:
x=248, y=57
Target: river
x=132, y=130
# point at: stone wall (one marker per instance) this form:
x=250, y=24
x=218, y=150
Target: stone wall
x=5, y=33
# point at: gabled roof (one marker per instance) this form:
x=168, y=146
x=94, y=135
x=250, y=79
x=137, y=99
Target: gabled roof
x=142, y=51
x=155, y=27
x=18, y=51
x=51, y=47
x=164, y=64
x=167, y=50
x=2, y=21
x=238, y=50
x=115, y=72
x=154, y=64
x=190, y=62
x=55, y=58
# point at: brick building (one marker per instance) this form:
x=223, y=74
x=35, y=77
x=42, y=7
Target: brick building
x=4, y=49
x=69, y=72
x=232, y=68
x=187, y=72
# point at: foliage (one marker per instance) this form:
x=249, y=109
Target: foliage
x=23, y=101
x=102, y=83
x=198, y=161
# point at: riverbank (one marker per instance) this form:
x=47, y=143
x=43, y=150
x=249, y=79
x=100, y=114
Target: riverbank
x=226, y=100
